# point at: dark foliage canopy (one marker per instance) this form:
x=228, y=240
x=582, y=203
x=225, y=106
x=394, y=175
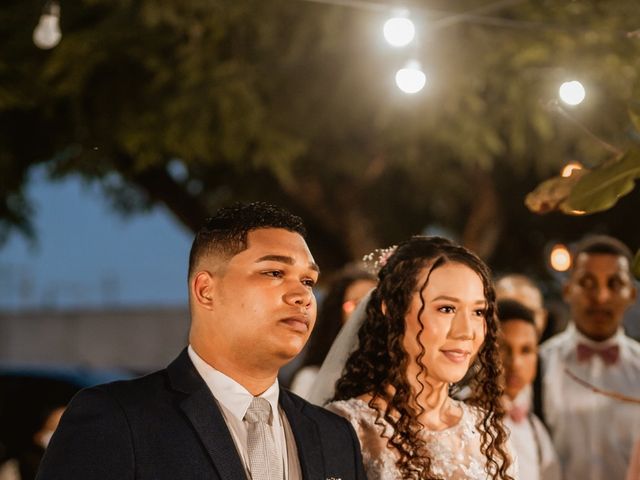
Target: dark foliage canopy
x=194, y=104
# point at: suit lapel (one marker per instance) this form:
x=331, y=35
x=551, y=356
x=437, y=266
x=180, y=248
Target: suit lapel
x=307, y=438
x=202, y=411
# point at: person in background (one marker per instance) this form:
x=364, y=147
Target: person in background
x=537, y=459
x=29, y=460
x=26, y=462
x=9, y=469
x=8, y=466
x=591, y=371
x=522, y=289
x=345, y=292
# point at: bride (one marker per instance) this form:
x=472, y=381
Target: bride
x=428, y=322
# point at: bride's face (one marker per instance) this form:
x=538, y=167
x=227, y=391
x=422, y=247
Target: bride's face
x=453, y=319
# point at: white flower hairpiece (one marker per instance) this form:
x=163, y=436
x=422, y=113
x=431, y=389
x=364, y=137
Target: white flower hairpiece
x=377, y=259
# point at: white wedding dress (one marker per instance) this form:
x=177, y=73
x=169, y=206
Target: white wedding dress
x=455, y=451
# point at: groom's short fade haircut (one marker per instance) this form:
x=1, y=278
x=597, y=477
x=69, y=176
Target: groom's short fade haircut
x=225, y=233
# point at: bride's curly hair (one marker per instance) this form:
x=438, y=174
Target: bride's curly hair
x=378, y=366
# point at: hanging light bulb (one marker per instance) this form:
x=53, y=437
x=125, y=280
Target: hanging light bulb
x=560, y=258
x=47, y=33
x=411, y=78
x=399, y=30
x=572, y=93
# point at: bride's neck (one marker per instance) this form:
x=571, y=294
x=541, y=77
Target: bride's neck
x=440, y=411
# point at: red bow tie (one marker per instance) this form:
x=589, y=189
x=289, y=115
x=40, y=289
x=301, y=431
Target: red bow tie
x=518, y=413
x=609, y=355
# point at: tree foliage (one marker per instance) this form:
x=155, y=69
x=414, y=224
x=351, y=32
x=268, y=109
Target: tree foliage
x=586, y=191
x=197, y=103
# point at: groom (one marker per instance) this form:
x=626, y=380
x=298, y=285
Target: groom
x=217, y=411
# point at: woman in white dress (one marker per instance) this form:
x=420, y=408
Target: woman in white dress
x=429, y=321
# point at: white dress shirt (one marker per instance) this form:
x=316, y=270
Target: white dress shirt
x=593, y=433
x=537, y=459
x=233, y=400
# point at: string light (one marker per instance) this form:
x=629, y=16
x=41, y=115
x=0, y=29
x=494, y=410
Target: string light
x=572, y=93
x=47, y=33
x=560, y=258
x=411, y=79
x=399, y=30
x=479, y=16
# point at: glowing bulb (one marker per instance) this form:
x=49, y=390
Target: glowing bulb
x=411, y=79
x=399, y=30
x=569, y=168
x=560, y=258
x=47, y=33
x=572, y=93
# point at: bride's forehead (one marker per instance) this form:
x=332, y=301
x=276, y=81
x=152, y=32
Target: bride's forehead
x=446, y=269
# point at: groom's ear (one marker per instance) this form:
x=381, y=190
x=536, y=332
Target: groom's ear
x=202, y=289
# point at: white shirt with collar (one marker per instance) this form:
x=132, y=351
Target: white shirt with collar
x=537, y=459
x=233, y=400
x=593, y=433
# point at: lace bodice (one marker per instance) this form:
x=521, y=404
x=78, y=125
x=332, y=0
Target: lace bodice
x=455, y=451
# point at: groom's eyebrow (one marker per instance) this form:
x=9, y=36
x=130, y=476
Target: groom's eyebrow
x=286, y=260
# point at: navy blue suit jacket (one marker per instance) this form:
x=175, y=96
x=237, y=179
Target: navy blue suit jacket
x=167, y=426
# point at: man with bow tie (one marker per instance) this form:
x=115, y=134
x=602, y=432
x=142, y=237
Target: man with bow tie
x=588, y=368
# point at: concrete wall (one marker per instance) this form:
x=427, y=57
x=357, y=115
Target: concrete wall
x=138, y=339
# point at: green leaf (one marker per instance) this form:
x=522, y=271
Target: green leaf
x=635, y=118
x=552, y=194
x=600, y=188
x=635, y=268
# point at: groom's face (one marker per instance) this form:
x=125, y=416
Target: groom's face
x=264, y=308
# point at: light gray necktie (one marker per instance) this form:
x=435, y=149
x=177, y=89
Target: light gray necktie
x=264, y=461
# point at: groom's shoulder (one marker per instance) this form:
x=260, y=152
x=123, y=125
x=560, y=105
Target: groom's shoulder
x=131, y=392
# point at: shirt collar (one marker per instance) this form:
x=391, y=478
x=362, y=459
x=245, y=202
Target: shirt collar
x=522, y=400
x=231, y=395
x=616, y=339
